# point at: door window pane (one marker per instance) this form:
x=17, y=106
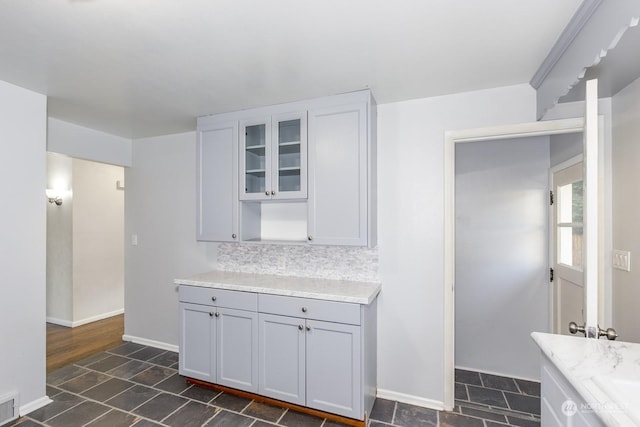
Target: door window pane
x=570, y=240
x=570, y=227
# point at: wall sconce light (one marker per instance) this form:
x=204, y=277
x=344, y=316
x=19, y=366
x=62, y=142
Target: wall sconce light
x=53, y=196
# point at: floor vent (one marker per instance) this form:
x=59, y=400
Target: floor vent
x=8, y=408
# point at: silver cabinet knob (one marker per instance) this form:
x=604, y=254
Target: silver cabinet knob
x=233, y=236
x=273, y=193
x=213, y=298
x=266, y=193
x=310, y=237
x=300, y=327
x=217, y=314
x=210, y=314
x=308, y=328
x=304, y=309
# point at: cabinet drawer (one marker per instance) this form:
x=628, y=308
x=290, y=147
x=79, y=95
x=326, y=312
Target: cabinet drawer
x=306, y=308
x=219, y=297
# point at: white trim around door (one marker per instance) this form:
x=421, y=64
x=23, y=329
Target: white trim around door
x=452, y=138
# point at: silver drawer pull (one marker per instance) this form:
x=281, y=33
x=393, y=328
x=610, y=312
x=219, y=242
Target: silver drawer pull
x=304, y=309
x=213, y=298
x=308, y=328
x=217, y=314
x=300, y=327
x=210, y=314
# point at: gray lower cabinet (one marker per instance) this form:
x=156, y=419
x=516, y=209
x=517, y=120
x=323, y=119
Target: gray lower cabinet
x=311, y=363
x=197, y=342
x=333, y=368
x=318, y=353
x=315, y=353
x=282, y=358
x=219, y=344
x=560, y=404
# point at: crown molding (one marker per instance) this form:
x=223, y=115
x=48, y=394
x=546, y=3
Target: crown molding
x=570, y=32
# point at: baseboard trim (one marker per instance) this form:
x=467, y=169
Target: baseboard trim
x=61, y=322
x=410, y=399
x=32, y=406
x=151, y=343
x=499, y=374
x=73, y=324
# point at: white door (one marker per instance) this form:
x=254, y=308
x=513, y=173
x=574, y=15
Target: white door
x=567, y=248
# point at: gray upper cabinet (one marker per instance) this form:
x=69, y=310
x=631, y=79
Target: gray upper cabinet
x=338, y=175
x=273, y=157
x=304, y=172
x=217, y=182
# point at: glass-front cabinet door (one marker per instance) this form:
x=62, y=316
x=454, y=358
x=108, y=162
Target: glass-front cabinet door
x=273, y=154
x=255, y=158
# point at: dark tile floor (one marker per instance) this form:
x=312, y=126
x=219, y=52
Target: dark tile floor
x=134, y=385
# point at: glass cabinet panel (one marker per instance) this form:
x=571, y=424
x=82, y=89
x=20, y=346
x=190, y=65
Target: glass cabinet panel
x=289, y=153
x=255, y=159
x=273, y=156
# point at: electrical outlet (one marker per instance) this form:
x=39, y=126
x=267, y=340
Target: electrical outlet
x=622, y=260
x=134, y=240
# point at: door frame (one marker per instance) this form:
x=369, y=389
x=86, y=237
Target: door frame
x=522, y=130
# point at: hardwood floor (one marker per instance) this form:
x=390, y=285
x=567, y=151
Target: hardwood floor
x=69, y=345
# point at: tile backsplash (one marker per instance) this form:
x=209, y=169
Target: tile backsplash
x=324, y=262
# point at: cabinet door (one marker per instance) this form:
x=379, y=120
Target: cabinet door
x=334, y=368
x=217, y=176
x=282, y=363
x=255, y=159
x=338, y=175
x=197, y=342
x=237, y=345
x=289, y=159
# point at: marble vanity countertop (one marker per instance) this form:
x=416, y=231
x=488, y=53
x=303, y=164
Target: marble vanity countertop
x=325, y=289
x=605, y=373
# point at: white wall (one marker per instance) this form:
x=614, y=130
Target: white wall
x=23, y=244
x=160, y=208
x=502, y=270
x=564, y=147
x=410, y=229
x=59, y=241
x=84, y=143
x=98, y=241
x=626, y=206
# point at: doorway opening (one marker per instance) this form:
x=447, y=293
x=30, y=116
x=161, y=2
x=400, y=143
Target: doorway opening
x=502, y=264
x=556, y=127
x=85, y=255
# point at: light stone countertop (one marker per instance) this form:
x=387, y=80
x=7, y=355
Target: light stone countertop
x=605, y=373
x=305, y=287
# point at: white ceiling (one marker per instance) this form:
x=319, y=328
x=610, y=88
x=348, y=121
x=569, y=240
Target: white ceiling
x=137, y=68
